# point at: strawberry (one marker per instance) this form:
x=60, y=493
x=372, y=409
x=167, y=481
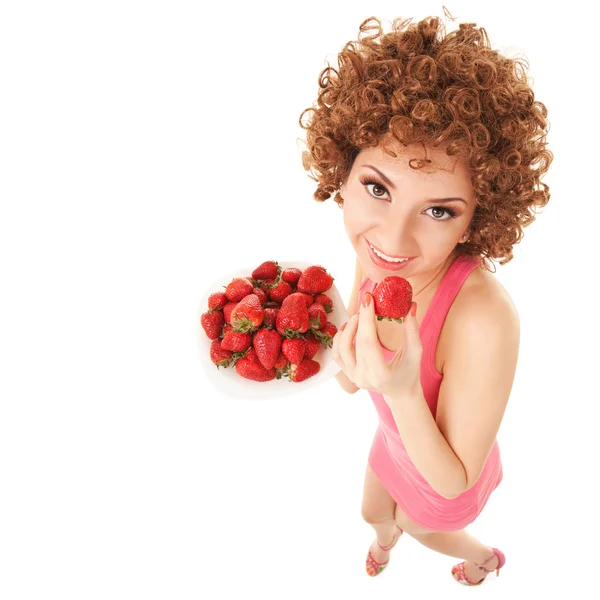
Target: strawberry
x=268, y=270
x=238, y=288
x=317, y=315
x=248, y=314
x=236, y=341
x=326, y=301
x=217, y=300
x=250, y=367
x=212, y=322
x=220, y=357
x=291, y=275
x=293, y=350
x=270, y=317
x=392, y=298
x=307, y=368
x=325, y=335
x=280, y=291
x=262, y=296
x=227, y=309
x=312, y=346
x=308, y=298
x=267, y=345
x=265, y=284
x=314, y=280
x=292, y=319
x=282, y=361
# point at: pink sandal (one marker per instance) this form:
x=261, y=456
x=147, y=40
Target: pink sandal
x=458, y=571
x=372, y=566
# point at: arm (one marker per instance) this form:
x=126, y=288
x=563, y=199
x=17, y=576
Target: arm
x=345, y=383
x=451, y=450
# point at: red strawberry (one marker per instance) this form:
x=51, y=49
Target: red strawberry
x=265, y=284
x=212, y=322
x=315, y=280
x=267, y=345
x=282, y=361
x=312, y=345
x=392, y=298
x=236, y=341
x=262, y=296
x=248, y=314
x=238, y=288
x=325, y=335
x=227, y=310
x=308, y=298
x=280, y=291
x=307, y=368
x=270, y=319
x=268, y=270
x=220, y=357
x=250, y=367
x=217, y=300
x=292, y=319
x=317, y=315
x=293, y=350
x=326, y=301
x=291, y=275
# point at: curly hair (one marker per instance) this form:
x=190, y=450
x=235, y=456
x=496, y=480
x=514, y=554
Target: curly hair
x=418, y=84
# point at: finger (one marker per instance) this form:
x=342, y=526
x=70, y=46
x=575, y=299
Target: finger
x=367, y=341
x=346, y=348
x=335, y=346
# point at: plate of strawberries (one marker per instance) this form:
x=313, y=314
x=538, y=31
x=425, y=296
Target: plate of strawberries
x=266, y=331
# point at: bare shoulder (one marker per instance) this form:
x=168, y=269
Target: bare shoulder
x=482, y=298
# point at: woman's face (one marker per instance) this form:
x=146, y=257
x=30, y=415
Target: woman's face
x=400, y=211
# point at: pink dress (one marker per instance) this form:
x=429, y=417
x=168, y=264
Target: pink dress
x=388, y=457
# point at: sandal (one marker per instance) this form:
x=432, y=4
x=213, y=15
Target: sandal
x=458, y=571
x=372, y=566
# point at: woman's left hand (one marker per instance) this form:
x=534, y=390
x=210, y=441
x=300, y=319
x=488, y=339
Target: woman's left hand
x=364, y=362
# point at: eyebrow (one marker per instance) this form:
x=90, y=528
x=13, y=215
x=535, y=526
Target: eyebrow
x=389, y=182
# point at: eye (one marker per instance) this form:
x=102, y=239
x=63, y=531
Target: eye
x=370, y=181
x=450, y=212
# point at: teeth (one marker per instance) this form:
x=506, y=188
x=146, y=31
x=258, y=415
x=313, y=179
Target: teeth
x=381, y=255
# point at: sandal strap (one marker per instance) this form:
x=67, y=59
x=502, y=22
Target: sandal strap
x=487, y=561
x=375, y=563
x=391, y=545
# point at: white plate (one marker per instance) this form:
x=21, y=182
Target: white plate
x=229, y=382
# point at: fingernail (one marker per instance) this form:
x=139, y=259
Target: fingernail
x=367, y=299
x=344, y=325
x=413, y=310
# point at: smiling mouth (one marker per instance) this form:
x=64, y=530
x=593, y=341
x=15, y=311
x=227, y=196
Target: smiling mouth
x=388, y=257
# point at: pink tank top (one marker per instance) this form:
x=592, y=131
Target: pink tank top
x=398, y=474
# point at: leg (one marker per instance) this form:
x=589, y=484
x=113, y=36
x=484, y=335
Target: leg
x=378, y=509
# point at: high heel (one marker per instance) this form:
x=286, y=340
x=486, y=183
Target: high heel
x=458, y=571
x=372, y=566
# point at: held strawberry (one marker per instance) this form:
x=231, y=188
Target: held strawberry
x=392, y=298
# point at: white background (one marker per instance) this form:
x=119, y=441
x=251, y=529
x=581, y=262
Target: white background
x=146, y=147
